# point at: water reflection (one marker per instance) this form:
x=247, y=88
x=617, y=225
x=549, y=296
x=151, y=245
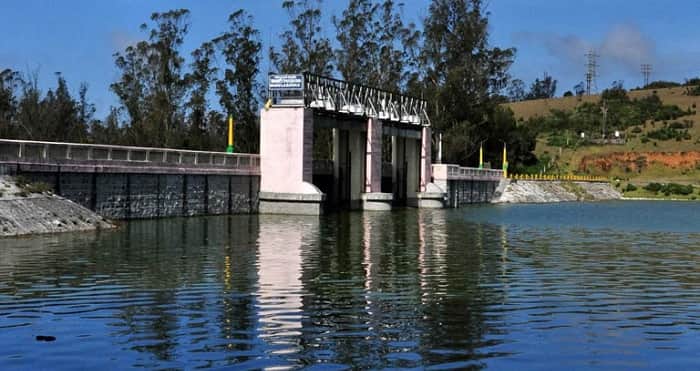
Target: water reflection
x=368, y=290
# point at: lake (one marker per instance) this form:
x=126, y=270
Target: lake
x=612, y=285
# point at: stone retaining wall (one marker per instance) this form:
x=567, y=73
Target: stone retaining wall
x=139, y=196
x=22, y=213
x=528, y=191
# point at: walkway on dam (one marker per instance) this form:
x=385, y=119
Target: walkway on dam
x=381, y=158
x=123, y=182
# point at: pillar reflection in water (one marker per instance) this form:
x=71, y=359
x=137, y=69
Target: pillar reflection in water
x=432, y=242
x=281, y=241
x=391, y=287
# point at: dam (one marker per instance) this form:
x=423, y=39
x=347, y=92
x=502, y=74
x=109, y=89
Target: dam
x=381, y=158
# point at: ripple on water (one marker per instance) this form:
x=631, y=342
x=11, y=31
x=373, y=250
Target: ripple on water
x=410, y=289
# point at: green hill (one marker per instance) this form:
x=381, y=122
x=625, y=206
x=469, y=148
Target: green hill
x=659, y=131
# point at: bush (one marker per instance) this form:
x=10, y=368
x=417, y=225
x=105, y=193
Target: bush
x=668, y=113
x=662, y=85
x=678, y=189
x=692, y=81
x=28, y=187
x=668, y=133
x=680, y=125
x=670, y=189
x=630, y=188
x=559, y=140
x=693, y=91
x=653, y=187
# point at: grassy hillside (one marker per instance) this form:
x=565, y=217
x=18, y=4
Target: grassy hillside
x=671, y=160
x=542, y=107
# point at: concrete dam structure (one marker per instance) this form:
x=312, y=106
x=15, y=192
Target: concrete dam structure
x=134, y=183
x=381, y=158
x=361, y=120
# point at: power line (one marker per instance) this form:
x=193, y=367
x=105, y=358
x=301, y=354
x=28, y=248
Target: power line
x=591, y=70
x=646, y=72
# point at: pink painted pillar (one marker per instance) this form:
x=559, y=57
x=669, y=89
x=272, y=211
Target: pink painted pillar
x=425, y=158
x=373, y=164
x=286, y=150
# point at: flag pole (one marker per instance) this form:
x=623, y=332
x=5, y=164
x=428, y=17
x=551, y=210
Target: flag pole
x=229, y=149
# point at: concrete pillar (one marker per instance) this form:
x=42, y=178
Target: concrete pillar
x=336, y=167
x=413, y=169
x=356, y=147
x=395, y=163
x=286, y=162
x=373, y=157
x=373, y=198
x=425, y=158
x=431, y=195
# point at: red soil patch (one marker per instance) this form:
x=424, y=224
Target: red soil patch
x=634, y=161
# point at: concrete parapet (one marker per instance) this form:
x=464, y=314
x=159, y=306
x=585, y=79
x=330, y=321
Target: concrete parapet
x=425, y=200
x=434, y=197
x=291, y=203
x=377, y=201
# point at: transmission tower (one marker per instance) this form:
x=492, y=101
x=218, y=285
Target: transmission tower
x=646, y=72
x=591, y=70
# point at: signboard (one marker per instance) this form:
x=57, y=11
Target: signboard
x=286, y=82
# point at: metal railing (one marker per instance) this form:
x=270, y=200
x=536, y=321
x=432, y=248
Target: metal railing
x=560, y=177
x=56, y=152
x=455, y=172
x=333, y=95
x=330, y=94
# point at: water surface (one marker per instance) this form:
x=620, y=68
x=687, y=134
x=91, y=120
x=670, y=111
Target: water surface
x=569, y=286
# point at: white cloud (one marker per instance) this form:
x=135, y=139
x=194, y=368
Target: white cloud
x=627, y=46
x=623, y=47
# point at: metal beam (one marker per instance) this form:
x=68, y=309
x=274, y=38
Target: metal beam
x=332, y=95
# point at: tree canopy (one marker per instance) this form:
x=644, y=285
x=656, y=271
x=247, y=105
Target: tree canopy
x=171, y=97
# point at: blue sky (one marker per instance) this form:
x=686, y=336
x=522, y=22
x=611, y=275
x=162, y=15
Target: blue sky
x=79, y=37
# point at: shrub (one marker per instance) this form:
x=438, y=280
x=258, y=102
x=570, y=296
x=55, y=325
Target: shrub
x=678, y=189
x=670, y=132
x=653, y=187
x=38, y=187
x=28, y=187
x=679, y=125
x=693, y=91
x=662, y=85
x=630, y=188
x=670, y=189
x=692, y=81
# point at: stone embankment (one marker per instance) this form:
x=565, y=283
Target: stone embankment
x=527, y=191
x=27, y=209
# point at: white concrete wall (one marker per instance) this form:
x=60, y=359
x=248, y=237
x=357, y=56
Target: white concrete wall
x=286, y=150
